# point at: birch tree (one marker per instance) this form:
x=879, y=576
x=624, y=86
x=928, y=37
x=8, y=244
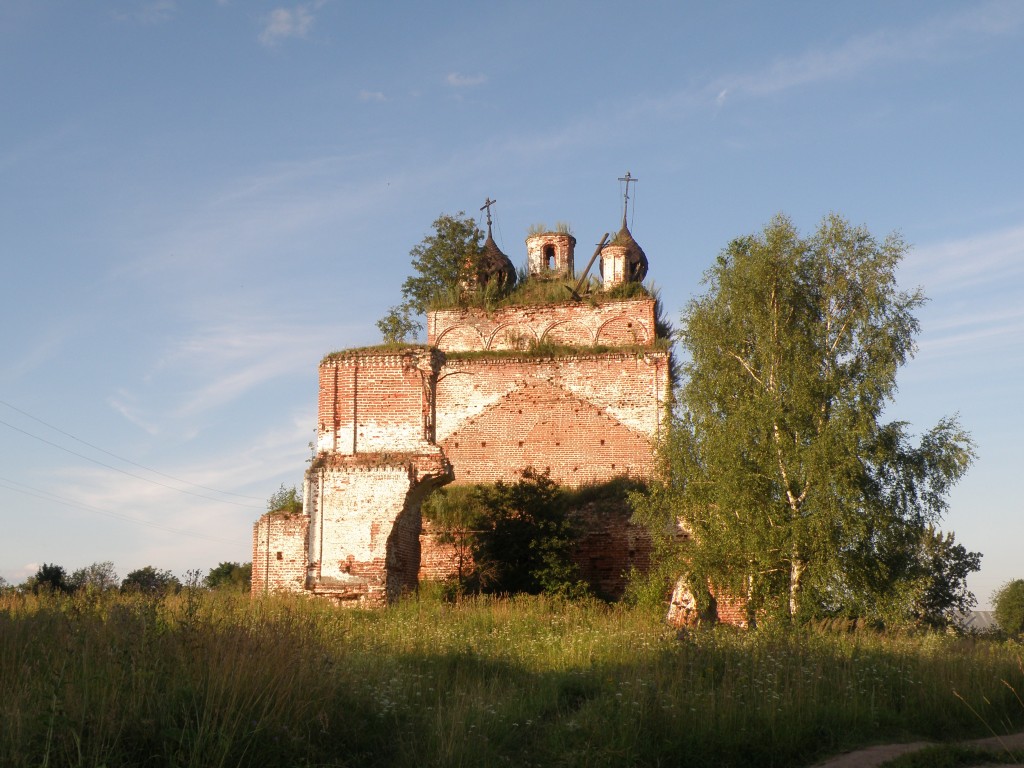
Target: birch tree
x=778, y=463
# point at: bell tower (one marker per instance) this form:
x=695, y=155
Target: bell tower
x=549, y=255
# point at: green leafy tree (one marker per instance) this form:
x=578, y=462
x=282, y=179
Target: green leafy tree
x=398, y=325
x=442, y=263
x=1008, y=602
x=526, y=539
x=98, y=577
x=233, y=576
x=151, y=580
x=778, y=465
x=945, y=566
x=911, y=576
x=458, y=514
x=49, y=578
x=287, y=500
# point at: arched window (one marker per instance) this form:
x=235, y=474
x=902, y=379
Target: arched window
x=549, y=257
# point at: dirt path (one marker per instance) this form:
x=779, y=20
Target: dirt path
x=875, y=756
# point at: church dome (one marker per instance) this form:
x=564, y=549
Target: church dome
x=495, y=265
x=636, y=259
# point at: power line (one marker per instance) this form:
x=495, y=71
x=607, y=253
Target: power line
x=122, y=458
x=47, y=496
x=125, y=472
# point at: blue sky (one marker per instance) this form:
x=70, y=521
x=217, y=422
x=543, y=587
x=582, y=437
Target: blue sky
x=201, y=199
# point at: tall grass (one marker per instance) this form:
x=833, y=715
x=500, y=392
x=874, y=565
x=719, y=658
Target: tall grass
x=204, y=679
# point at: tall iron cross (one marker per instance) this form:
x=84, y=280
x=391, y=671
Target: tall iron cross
x=487, y=204
x=627, y=178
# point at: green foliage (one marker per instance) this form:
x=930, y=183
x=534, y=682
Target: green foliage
x=908, y=575
x=50, y=578
x=443, y=263
x=540, y=228
x=398, y=326
x=285, y=500
x=943, y=566
x=286, y=681
x=793, y=491
x=518, y=537
x=548, y=350
x=526, y=540
x=98, y=577
x=458, y=515
x=151, y=581
x=456, y=506
x=234, y=576
x=1008, y=602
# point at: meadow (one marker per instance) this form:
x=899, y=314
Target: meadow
x=215, y=679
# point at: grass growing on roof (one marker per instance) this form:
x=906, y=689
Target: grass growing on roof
x=535, y=291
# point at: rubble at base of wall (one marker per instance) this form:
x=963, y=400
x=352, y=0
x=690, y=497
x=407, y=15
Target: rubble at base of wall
x=351, y=595
x=684, y=612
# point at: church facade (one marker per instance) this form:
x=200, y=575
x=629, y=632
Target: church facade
x=577, y=388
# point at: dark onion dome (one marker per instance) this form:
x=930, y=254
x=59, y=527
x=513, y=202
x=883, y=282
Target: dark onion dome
x=495, y=265
x=636, y=259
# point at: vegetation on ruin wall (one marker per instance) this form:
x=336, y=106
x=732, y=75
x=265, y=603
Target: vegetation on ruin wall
x=533, y=291
x=213, y=679
x=542, y=350
x=445, y=262
x=532, y=350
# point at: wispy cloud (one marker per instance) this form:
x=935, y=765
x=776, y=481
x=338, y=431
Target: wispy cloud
x=157, y=510
x=218, y=364
x=992, y=258
x=152, y=12
x=940, y=37
x=121, y=403
x=45, y=343
x=975, y=282
x=371, y=96
x=283, y=23
x=458, y=80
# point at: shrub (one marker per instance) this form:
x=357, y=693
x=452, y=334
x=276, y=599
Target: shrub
x=1008, y=602
x=526, y=540
x=285, y=500
x=151, y=580
x=230, y=576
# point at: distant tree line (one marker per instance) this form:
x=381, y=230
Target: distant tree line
x=99, y=577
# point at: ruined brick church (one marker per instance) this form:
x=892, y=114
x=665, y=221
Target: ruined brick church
x=577, y=388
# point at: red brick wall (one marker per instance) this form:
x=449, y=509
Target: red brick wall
x=609, y=547
x=439, y=559
x=279, y=553
x=376, y=400
x=731, y=610
x=585, y=419
x=610, y=323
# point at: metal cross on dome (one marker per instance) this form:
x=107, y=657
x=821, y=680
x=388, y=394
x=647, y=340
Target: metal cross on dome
x=625, y=208
x=487, y=205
